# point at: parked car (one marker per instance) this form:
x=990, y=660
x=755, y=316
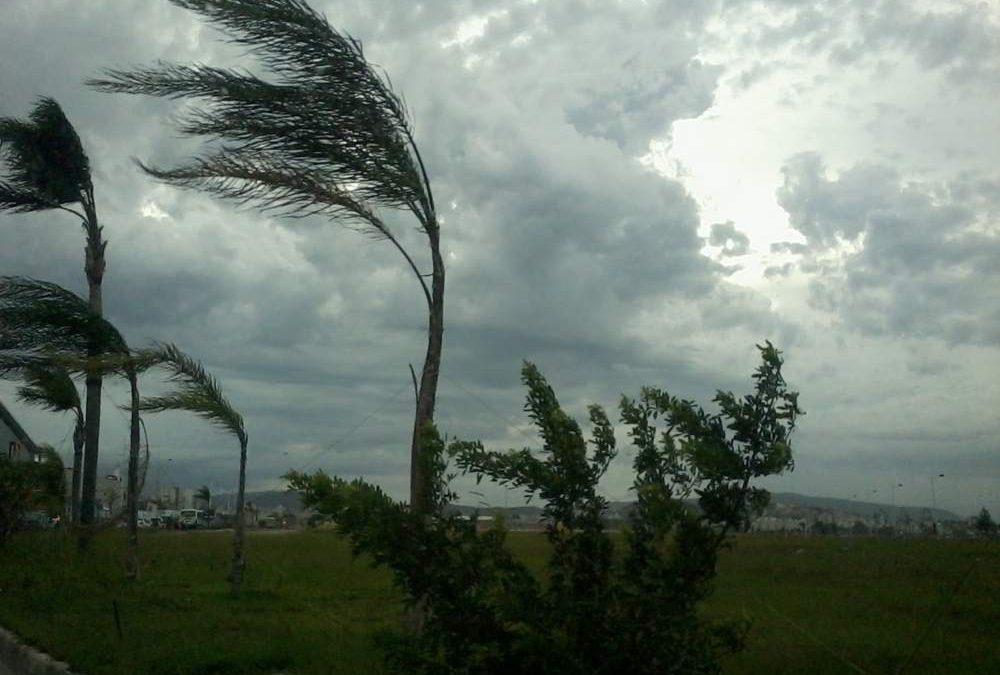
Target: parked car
x=191, y=519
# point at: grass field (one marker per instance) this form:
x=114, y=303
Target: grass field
x=821, y=605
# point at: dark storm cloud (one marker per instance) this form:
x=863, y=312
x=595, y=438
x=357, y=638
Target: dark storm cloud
x=559, y=240
x=924, y=264
x=561, y=247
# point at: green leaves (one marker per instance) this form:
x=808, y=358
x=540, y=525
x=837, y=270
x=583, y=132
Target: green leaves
x=51, y=388
x=596, y=613
x=39, y=318
x=321, y=132
x=43, y=160
x=196, y=392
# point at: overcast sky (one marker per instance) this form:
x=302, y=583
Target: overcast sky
x=632, y=193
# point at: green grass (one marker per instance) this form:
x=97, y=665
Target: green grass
x=817, y=605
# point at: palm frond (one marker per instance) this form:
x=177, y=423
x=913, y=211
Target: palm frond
x=329, y=135
x=43, y=160
x=14, y=365
x=14, y=199
x=196, y=392
x=51, y=388
x=270, y=183
x=39, y=317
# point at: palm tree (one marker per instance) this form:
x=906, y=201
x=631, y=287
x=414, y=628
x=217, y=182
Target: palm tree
x=42, y=323
x=204, y=495
x=326, y=135
x=47, y=168
x=50, y=386
x=200, y=393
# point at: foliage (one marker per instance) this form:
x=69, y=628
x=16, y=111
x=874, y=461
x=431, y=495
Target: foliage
x=30, y=486
x=39, y=319
x=985, y=526
x=204, y=494
x=598, y=611
x=198, y=392
x=320, y=133
x=51, y=387
x=45, y=162
x=43, y=166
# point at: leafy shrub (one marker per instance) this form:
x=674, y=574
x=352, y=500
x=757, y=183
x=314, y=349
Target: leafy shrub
x=598, y=611
x=29, y=486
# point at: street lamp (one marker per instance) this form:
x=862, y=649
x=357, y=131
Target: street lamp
x=934, y=502
x=933, y=494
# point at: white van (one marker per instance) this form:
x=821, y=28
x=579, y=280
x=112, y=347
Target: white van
x=191, y=519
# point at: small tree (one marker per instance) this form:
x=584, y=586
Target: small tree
x=984, y=524
x=598, y=612
x=200, y=393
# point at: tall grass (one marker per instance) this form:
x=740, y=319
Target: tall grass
x=823, y=605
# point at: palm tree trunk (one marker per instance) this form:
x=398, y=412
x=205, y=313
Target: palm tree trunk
x=132, y=539
x=427, y=394
x=239, y=562
x=94, y=268
x=79, y=438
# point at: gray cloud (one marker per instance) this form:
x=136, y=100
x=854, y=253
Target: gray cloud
x=558, y=240
x=561, y=247
x=960, y=38
x=731, y=240
x=919, y=262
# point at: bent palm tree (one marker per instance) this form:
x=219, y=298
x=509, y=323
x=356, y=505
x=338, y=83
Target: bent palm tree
x=50, y=386
x=204, y=495
x=43, y=325
x=200, y=393
x=327, y=136
x=47, y=168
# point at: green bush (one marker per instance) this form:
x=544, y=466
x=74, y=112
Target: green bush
x=598, y=610
x=29, y=486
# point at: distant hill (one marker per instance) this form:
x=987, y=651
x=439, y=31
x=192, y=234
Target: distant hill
x=271, y=500
x=265, y=502
x=860, y=508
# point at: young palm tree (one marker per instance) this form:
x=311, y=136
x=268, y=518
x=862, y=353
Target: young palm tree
x=200, y=393
x=50, y=386
x=46, y=168
x=325, y=134
x=43, y=324
x=204, y=495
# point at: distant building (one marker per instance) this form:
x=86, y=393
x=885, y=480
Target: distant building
x=175, y=497
x=15, y=444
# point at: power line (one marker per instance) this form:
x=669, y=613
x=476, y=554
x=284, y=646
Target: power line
x=500, y=416
x=353, y=429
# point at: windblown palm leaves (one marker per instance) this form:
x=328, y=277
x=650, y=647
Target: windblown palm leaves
x=198, y=392
x=50, y=387
x=39, y=319
x=43, y=325
x=43, y=166
x=328, y=135
x=46, y=166
x=321, y=133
